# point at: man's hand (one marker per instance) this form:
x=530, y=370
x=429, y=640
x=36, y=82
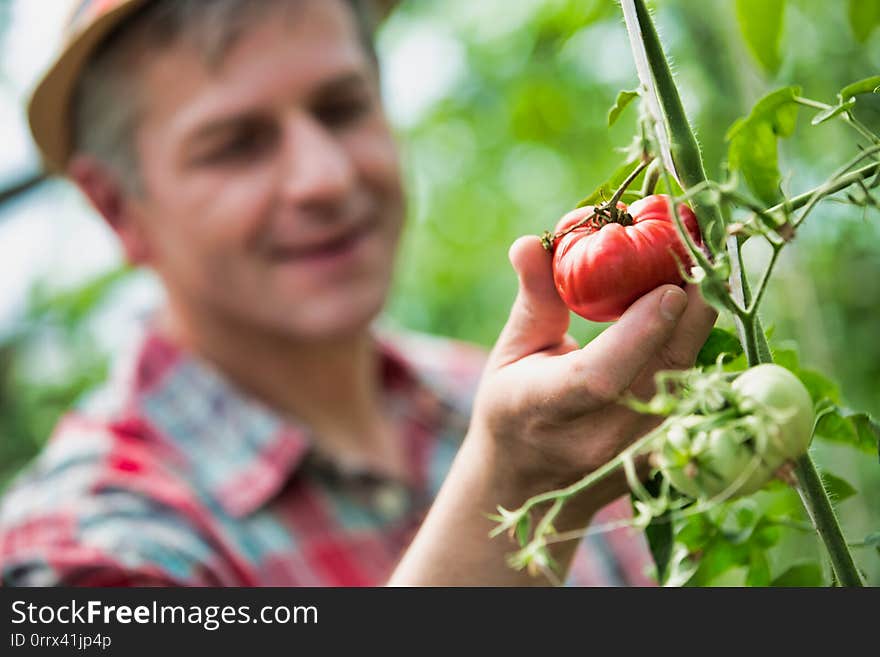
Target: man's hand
x=547, y=414
x=547, y=409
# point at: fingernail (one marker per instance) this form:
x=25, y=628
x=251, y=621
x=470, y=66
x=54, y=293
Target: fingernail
x=672, y=304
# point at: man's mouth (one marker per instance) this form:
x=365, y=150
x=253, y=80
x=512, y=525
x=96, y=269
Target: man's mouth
x=325, y=249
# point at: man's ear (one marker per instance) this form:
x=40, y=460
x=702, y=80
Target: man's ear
x=114, y=203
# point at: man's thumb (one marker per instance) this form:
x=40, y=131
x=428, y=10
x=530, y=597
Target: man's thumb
x=539, y=319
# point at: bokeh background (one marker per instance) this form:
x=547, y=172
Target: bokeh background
x=501, y=112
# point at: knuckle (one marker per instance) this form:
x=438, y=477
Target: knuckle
x=596, y=387
x=675, y=359
x=602, y=388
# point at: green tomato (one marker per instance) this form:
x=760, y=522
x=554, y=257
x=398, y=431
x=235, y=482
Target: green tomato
x=722, y=461
x=703, y=459
x=782, y=394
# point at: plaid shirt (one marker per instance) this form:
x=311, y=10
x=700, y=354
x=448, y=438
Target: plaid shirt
x=172, y=476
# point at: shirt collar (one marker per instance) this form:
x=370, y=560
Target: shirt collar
x=240, y=450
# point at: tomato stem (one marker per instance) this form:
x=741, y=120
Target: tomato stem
x=652, y=177
x=602, y=215
x=684, y=154
x=815, y=499
x=833, y=186
x=684, y=151
x=762, y=285
x=846, y=116
x=560, y=496
x=612, y=204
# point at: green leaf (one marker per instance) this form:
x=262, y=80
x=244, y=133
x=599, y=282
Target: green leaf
x=719, y=342
x=868, y=431
x=819, y=386
x=660, y=535
x=760, y=22
x=696, y=532
x=857, y=430
x=786, y=357
x=72, y=306
x=754, y=140
x=676, y=189
x=759, y=569
x=766, y=534
x=606, y=190
x=831, y=112
x=839, y=489
x=873, y=539
x=803, y=574
x=864, y=16
x=866, y=86
x=624, y=98
x=719, y=557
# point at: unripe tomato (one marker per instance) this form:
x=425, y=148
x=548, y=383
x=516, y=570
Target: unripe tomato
x=600, y=268
x=741, y=455
x=786, y=397
x=721, y=461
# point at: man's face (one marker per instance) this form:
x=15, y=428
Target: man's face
x=272, y=193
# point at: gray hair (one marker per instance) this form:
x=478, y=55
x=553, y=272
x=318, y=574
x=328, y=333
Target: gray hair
x=106, y=105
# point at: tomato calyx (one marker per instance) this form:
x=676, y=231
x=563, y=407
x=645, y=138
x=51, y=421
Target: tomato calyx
x=601, y=215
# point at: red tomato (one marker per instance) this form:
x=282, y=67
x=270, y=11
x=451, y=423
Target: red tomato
x=600, y=270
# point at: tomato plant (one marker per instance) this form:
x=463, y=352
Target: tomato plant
x=604, y=259
x=737, y=423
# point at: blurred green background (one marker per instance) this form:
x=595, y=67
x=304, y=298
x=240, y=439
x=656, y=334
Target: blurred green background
x=506, y=132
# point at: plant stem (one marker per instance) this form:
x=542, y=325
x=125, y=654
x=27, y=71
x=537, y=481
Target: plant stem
x=685, y=155
x=836, y=183
x=762, y=285
x=748, y=327
x=799, y=201
x=612, y=204
x=684, y=150
x=594, y=477
x=819, y=193
x=606, y=212
x=815, y=499
x=652, y=177
x=846, y=116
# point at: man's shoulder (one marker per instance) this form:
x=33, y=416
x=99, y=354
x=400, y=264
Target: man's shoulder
x=83, y=507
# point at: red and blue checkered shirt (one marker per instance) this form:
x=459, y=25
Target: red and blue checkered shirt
x=172, y=476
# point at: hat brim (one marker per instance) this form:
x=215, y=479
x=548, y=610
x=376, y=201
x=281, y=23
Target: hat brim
x=49, y=104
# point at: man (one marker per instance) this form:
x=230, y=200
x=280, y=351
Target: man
x=266, y=432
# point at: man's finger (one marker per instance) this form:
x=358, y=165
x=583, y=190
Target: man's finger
x=614, y=359
x=681, y=350
x=539, y=318
x=692, y=331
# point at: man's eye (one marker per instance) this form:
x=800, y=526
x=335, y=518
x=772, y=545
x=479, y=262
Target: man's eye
x=343, y=112
x=242, y=146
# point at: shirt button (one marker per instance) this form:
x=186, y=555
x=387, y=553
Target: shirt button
x=390, y=500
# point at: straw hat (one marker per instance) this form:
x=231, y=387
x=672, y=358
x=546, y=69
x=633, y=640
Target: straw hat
x=90, y=22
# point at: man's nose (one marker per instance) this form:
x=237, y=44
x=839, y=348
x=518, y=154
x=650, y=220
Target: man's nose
x=318, y=169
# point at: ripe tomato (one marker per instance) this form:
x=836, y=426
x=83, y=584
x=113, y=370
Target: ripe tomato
x=601, y=268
